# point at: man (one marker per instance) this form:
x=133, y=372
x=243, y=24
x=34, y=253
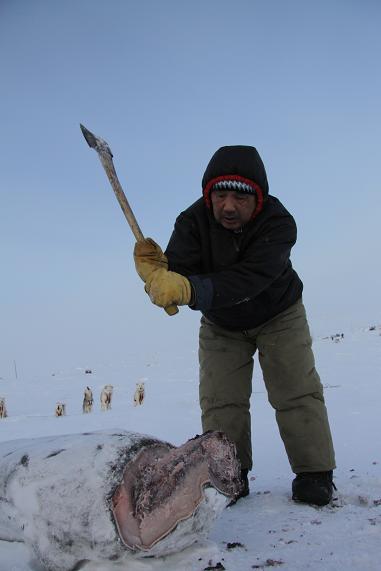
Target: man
x=229, y=257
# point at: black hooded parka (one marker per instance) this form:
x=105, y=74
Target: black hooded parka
x=240, y=279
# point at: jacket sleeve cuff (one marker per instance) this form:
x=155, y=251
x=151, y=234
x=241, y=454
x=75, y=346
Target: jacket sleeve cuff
x=202, y=293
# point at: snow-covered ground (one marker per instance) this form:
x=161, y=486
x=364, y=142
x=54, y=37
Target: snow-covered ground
x=266, y=529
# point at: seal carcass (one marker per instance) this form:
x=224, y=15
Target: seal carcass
x=112, y=494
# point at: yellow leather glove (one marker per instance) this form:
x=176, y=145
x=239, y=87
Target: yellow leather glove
x=148, y=256
x=167, y=288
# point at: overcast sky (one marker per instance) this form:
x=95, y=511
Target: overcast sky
x=167, y=83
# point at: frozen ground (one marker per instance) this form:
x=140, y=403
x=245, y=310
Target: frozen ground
x=266, y=530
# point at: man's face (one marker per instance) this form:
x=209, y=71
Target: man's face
x=232, y=209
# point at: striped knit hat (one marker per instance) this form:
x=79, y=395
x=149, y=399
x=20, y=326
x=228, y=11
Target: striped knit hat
x=234, y=184
x=238, y=168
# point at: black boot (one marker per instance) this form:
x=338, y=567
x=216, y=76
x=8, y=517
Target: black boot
x=245, y=484
x=313, y=488
x=245, y=490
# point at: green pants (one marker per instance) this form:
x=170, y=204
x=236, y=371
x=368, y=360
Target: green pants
x=292, y=382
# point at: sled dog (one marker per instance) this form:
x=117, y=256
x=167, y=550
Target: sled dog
x=87, y=404
x=60, y=409
x=3, y=409
x=106, y=396
x=139, y=394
